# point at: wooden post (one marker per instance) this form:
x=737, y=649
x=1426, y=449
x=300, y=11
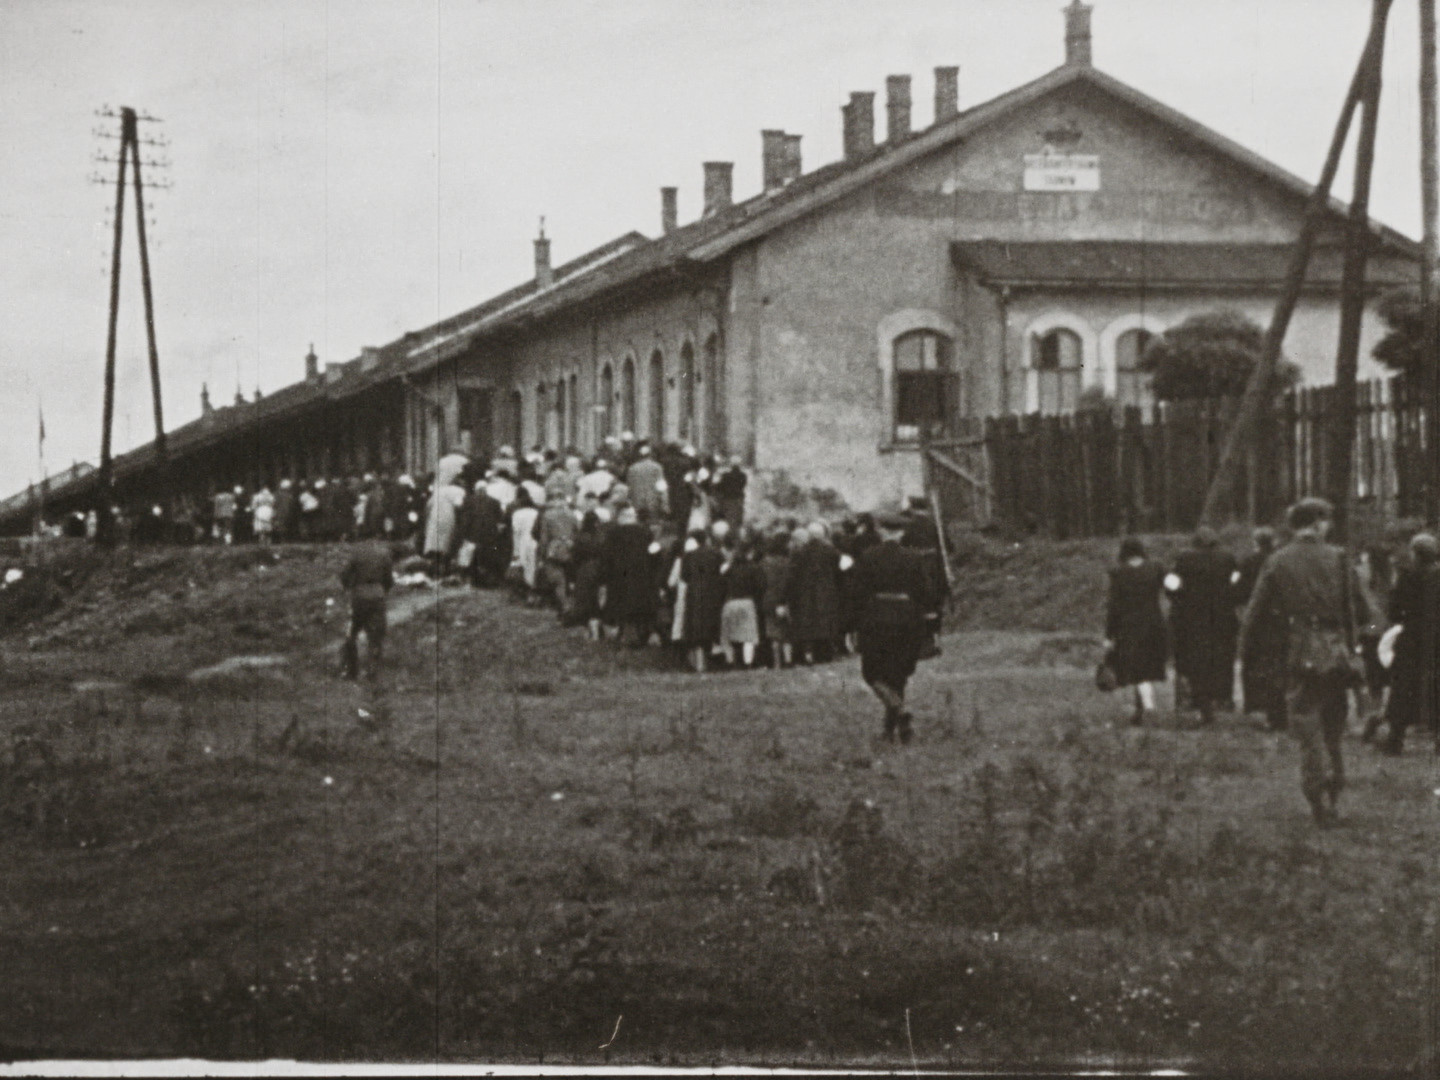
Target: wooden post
x=1341, y=485
x=145, y=288
x=1258, y=388
x=1430, y=282
x=104, y=531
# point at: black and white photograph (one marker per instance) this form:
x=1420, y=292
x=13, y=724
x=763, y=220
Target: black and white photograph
x=719, y=535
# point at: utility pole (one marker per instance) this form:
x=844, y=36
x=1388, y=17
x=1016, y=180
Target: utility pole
x=1259, y=388
x=1340, y=481
x=104, y=531
x=130, y=143
x=1430, y=280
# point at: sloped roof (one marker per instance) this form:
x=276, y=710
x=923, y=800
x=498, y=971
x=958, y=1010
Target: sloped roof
x=1135, y=264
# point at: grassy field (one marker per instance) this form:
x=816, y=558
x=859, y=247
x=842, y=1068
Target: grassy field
x=524, y=846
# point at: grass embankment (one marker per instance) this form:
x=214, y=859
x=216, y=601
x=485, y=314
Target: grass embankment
x=522, y=837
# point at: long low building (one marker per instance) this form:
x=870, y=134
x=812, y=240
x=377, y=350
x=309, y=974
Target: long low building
x=1012, y=257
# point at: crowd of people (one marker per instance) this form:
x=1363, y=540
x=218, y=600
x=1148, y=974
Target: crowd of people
x=653, y=548
x=1308, y=626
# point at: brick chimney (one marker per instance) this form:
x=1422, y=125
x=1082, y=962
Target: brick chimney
x=206, y=409
x=791, y=157
x=719, y=180
x=772, y=159
x=544, y=276
x=669, y=210
x=859, y=132
x=897, y=108
x=312, y=365
x=1077, y=34
x=947, y=93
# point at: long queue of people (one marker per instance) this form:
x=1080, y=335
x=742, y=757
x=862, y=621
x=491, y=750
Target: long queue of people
x=1309, y=626
x=648, y=547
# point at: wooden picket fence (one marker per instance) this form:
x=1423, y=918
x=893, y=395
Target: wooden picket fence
x=1103, y=473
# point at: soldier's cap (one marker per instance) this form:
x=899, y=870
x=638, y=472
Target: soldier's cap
x=1425, y=546
x=1308, y=511
x=892, y=522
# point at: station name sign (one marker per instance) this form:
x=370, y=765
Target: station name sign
x=1062, y=172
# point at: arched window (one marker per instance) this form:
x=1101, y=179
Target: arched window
x=925, y=385
x=687, y=392
x=1057, y=363
x=627, y=395
x=605, y=406
x=1132, y=386
x=542, y=415
x=655, y=395
x=713, y=382
x=572, y=427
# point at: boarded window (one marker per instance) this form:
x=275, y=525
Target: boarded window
x=924, y=385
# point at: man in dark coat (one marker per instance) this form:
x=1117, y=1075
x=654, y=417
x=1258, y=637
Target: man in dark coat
x=1203, y=621
x=676, y=464
x=1415, y=606
x=628, y=573
x=482, y=522
x=896, y=591
x=922, y=536
x=1262, y=663
x=730, y=487
x=1308, y=589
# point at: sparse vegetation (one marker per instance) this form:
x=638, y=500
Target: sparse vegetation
x=520, y=836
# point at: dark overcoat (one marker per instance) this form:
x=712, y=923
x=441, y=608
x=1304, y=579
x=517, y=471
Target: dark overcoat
x=629, y=574
x=704, y=595
x=814, y=593
x=1135, y=623
x=1202, y=617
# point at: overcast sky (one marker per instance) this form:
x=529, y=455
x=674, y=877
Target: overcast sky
x=344, y=172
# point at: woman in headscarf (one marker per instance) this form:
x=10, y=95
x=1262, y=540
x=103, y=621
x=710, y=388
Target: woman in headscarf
x=445, y=501
x=524, y=551
x=629, y=576
x=776, y=567
x=704, y=597
x=814, y=597
x=1135, y=626
x=588, y=566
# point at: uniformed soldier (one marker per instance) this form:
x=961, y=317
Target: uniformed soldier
x=1307, y=590
x=367, y=577
x=896, y=590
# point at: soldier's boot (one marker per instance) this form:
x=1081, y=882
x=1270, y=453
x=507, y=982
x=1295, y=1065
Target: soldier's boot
x=905, y=723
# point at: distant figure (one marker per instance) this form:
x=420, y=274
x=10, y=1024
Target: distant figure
x=224, y=516
x=729, y=488
x=1202, y=614
x=262, y=508
x=704, y=597
x=367, y=577
x=1135, y=626
x=744, y=597
x=646, y=481
x=1415, y=606
x=1262, y=661
x=628, y=573
x=896, y=591
x=1308, y=592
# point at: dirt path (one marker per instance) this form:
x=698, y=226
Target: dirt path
x=401, y=609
